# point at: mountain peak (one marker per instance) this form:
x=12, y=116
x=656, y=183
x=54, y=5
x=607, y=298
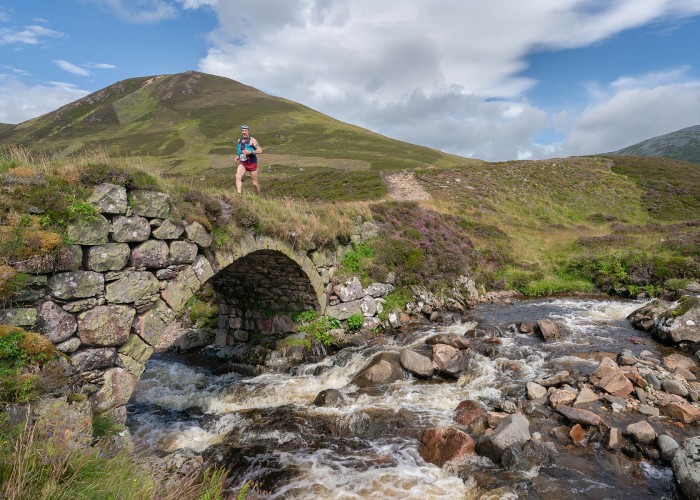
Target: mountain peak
x=683, y=144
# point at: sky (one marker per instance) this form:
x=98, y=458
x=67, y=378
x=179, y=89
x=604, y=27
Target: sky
x=490, y=79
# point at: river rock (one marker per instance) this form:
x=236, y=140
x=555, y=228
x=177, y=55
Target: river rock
x=151, y=203
x=168, y=230
x=686, y=468
x=585, y=395
x=580, y=416
x=558, y=378
x=641, y=432
x=94, y=358
x=550, y=330
x=89, y=232
x=330, y=397
x=686, y=374
x=614, y=439
x=675, y=387
x=109, y=199
x=349, y=291
x=196, y=233
x=535, y=390
x=134, y=286
x=450, y=339
x=678, y=408
x=559, y=397
x=182, y=252
x=512, y=430
x=52, y=321
x=682, y=322
x=439, y=445
x=108, y=257
x=645, y=317
x=667, y=447
x=616, y=384
x=378, y=290
x=76, y=285
x=150, y=254
x=383, y=369
x=677, y=360
x=579, y=436
x=471, y=414
x=448, y=360
x=605, y=368
x=416, y=363
x=105, y=326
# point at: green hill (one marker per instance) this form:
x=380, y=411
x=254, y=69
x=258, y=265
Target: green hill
x=682, y=144
x=186, y=123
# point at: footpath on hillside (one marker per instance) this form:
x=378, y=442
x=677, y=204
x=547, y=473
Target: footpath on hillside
x=404, y=186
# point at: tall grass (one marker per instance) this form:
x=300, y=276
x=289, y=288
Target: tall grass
x=38, y=467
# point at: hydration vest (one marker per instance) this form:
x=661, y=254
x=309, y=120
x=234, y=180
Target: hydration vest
x=243, y=147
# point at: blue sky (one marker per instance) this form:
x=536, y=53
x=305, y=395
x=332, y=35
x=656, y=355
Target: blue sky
x=492, y=80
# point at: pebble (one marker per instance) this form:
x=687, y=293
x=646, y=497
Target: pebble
x=653, y=381
x=650, y=411
x=667, y=447
x=675, y=387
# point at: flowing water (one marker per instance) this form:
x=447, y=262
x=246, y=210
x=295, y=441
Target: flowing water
x=266, y=429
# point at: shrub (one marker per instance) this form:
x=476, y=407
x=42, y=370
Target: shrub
x=316, y=327
x=18, y=350
x=355, y=322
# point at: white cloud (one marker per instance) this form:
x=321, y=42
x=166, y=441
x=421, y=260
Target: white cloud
x=141, y=12
x=20, y=102
x=5, y=14
x=395, y=66
x=100, y=66
x=71, y=68
x=30, y=35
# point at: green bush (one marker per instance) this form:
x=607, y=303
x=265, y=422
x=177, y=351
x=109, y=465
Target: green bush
x=316, y=327
x=18, y=350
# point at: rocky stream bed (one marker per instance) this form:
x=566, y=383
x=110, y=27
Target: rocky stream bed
x=535, y=399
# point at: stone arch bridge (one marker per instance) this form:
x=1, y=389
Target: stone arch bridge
x=107, y=299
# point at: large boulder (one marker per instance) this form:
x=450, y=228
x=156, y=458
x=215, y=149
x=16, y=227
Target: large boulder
x=512, y=430
x=686, y=468
x=678, y=408
x=439, y=445
x=450, y=339
x=681, y=322
x=57, y=324
x=551, y=330
x=448, y=360
x=349, y=291
x=646, y=316
x=472, y=415
x=416, y=363
x=385, y=368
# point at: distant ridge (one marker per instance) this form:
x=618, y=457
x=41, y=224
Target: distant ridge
x=682, y=144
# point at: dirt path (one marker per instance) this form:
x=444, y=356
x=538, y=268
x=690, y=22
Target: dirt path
x=404, y=187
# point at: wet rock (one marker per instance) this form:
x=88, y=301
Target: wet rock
x=349, y=291
x=439, y=445
x=473, y=415
x=512, y=430
x=416, y=363
x=585, y=395
x=675, y=387
x=537, y=410
x=561, y=433
x=606, y=367
x=686, y=468
x=579, y=436
x=681, y=322
x=644, y=318
x=52, y=321
x=527, y=327
x=514, y=459
x=650, y=411
x=558, y=378
x=450, y=339
x=448, y=360
x=550, y=330
x=641, y=432
x=508, y=406
x=667, y=447
x=330, y=397
x=130, y=229
x=614, y=439
x=383, y=369
x=540, y=453
x=653, y=381
x=579, y=416
x=679, y=409
x=616, y=384
x=535, y=390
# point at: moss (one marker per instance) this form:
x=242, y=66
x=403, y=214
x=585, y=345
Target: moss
x=19, y=351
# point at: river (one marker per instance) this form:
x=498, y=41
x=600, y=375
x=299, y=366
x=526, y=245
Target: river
x=265, y=428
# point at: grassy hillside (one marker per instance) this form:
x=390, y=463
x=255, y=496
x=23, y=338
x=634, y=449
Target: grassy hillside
x=186, y=123
x=682, y=144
